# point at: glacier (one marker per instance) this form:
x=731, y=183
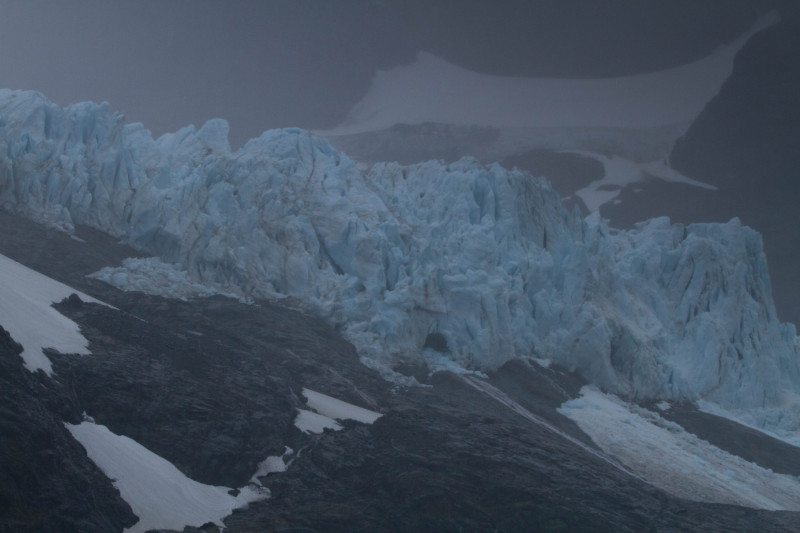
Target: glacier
x=461, y=264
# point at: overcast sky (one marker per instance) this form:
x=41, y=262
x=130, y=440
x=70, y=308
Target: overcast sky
x=277, y=63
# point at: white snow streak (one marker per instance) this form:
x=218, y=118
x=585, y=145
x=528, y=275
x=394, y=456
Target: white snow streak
x=620, y=172
x=326, y=409
x=333, y=408
x=26, y=311
x=311, y=422
x=676, y=461
x=159, y=494
x=272, y=464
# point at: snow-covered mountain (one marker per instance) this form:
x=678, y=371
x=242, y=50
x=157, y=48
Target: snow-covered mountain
x=432, y=90
x=464, y=266
x=637, y=117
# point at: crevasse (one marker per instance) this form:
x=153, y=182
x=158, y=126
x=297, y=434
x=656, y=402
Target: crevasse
x=482, y=262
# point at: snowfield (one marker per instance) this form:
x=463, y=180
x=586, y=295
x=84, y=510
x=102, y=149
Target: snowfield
x=333, y=408
x=433, y=90
x=627, y=123
x=311, y=422
x=26, y=299
x=670, y=458
x=159, y=494
x=325, y=410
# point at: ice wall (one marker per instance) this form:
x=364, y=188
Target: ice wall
x=478, y=262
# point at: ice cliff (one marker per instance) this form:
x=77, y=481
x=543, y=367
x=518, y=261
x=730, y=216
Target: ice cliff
x=475, y=264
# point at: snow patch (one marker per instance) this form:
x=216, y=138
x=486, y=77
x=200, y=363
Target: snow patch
x=544, y=363
x=661, y=170
x=620, y=172
x=272, y=464
x=326, y=410
x=670, y=458
x=311, y=422
x=159, y=494
x=337, y=409
x=26, y=311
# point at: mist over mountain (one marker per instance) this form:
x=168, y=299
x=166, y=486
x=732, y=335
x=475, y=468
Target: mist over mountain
x=263, y=65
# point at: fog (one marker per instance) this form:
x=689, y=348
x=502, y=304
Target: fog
x=280, y=63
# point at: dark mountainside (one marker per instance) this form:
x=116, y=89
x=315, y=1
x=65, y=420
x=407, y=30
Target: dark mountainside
x=747, y=143
x=211, y=385
x=47, y=483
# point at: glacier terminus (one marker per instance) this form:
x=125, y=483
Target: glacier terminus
x=463, y=265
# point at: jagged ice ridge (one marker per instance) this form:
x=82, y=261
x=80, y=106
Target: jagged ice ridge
x=482, y=262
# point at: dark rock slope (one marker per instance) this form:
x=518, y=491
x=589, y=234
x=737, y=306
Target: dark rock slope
x=446, y=459
x=47, y=483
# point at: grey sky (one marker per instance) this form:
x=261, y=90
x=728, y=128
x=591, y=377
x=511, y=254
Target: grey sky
x=267, y=64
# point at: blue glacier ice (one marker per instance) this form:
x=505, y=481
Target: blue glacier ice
x=484, y=259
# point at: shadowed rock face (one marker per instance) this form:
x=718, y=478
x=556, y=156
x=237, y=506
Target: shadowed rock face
x=446, y=459
x=47, y=483
x=747, y=142
x=210, y=385
x=747, y=443
x=748, y=133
